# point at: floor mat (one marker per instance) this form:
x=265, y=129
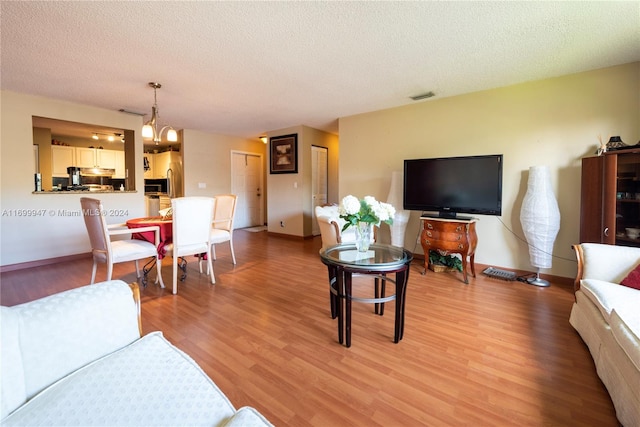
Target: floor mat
x=256, y=229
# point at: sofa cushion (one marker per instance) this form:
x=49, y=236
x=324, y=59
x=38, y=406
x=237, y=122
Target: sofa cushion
x=633, y=278
x=608, y=262
x=625, y=326
x=607, y=296
x=12, y=389
x=149, y=382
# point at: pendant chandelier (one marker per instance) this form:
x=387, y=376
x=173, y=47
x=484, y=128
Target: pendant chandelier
x=150, y=129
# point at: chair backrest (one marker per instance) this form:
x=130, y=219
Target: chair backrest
x=192, y=218
x=330, y=225
x=96, y=226
x=224, y=211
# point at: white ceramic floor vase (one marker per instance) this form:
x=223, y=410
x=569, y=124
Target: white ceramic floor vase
x=540, y=217
x=401, y=217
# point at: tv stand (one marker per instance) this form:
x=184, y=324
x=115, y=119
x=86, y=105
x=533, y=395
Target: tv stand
x=450, y=236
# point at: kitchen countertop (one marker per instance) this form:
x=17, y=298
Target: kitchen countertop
x=83, y=192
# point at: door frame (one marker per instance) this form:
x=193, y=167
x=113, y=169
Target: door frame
x=261, y=173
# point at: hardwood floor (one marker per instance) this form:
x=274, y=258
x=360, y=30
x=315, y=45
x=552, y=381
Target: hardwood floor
x=491, y=353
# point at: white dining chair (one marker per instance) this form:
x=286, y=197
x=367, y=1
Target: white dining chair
x=224, y=212
x=192, y=218
x=107, y=251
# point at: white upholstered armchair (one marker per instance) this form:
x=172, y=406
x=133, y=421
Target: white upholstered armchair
x=331, y=227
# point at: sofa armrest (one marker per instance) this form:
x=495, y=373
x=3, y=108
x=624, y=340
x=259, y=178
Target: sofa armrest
x=60, y=333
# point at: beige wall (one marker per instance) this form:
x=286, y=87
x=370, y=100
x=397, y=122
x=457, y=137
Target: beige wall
x=552, y=122
x=206, y=158
x=41, y=226
x=290, y=199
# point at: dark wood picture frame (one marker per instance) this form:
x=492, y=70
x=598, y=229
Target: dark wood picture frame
x=284, y=154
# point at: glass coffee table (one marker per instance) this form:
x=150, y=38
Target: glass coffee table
x=343, y=261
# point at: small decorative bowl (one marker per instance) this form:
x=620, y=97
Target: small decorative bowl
x=633, y=233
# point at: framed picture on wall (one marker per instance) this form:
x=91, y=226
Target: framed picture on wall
x=284, y=154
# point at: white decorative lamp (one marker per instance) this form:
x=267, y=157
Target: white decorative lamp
x=150, y=129
x=540, y=219
x=401, y=217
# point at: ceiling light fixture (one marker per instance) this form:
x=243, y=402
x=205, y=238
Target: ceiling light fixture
x=423, y=96
x=263, y=138
x=110, y=137
x=150, y=129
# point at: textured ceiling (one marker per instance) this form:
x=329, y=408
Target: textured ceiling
x=244, y=68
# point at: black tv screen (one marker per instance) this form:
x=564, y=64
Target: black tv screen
x=453, y=185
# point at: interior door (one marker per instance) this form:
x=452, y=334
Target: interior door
x=247, y=185
x=319, y=182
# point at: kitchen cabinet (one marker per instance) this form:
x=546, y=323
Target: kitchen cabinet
x=162, y=162
x=62, y=157
x=95, y=158
x=121, y=171
x=106, y=159
x=610, y=197
x=148, y=173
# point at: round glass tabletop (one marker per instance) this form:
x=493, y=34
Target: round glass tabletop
x=379, y=256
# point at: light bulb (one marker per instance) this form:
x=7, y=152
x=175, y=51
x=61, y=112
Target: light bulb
x=94, y=136
x=147, y=131
x=172, y=135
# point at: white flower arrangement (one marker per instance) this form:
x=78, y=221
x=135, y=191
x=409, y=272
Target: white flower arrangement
x=367, y=210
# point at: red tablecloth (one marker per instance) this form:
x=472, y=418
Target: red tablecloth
x=166, y=231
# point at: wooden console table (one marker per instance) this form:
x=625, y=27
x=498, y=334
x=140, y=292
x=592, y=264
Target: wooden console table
x=450, y=236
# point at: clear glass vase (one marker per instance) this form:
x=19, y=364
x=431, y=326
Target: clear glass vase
x=363, y=236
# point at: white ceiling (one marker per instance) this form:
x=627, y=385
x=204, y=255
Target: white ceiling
x=245, y=68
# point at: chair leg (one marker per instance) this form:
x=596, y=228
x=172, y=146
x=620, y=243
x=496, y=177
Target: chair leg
x=175, y=274
x=210, y=269
x=93, y=271
x=200, y=263
x=159, y=268
x=213, y=251
x=109, y=269
x=137, y=269
x=233, y=255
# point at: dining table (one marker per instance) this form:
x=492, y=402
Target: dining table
x=166, y=231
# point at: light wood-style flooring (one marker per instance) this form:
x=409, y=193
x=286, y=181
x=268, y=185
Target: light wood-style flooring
x=491, y=353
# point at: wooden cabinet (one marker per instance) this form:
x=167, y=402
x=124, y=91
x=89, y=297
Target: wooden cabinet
x=96, y=158
x=106, y=159
x=85, y=157
x=121, y=170
x=610, y=197
x=159, y=163
x=450, y=236
x=62, y=157
x=148, y=173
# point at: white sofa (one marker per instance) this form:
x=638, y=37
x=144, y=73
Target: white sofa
x=78, y=358
x=606, y=314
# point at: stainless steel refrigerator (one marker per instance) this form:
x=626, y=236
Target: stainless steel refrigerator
x=174, y=180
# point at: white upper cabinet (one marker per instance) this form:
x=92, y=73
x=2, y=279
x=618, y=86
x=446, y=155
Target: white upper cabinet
x=96, y=158
x=62, y=157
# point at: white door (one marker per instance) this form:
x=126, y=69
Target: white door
x=319, y=159
x=247, y=185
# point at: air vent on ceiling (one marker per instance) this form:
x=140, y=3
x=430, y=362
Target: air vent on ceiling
x=423, y=96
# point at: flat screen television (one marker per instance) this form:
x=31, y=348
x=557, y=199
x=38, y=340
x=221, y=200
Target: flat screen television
x=454, y=185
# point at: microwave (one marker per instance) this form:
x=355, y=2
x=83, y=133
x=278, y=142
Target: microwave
x=153, y=188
